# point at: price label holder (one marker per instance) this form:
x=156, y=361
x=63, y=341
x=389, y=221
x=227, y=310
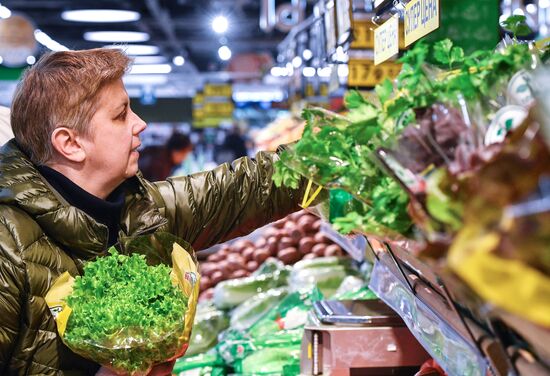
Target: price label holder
x=363, y=72
x=386, y=40
x=421, y=18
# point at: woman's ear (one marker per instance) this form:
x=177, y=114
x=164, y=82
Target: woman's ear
x=68, y=145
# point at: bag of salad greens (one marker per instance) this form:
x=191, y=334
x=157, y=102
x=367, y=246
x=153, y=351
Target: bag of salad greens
x=126, y=314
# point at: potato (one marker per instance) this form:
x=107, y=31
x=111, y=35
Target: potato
x=279, y=224
x=214, y=257
x=260, y=243
x=251, y=266
x=240, y=273
x=270, y=231
x=296, y=234
x=321, y=238
x=248, y=253
x=241, y=244
x=272, y=246
x=289, y=255
x=260, y=255
x=289, y=226
x=286, y=242
x=234, y=264
x=306, y=244
x=319, y=249
x=333, y=250
x=316, y=226
x=306, y=222
x=217, y=277
x=309, y=256
x=207, y=268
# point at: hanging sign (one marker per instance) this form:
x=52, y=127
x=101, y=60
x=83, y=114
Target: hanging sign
x=421, y=18
x=363, y=34
x=218, y=90
x=363, y=72
x=386, y=40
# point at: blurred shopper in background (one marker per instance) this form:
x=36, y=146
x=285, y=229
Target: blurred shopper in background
x=6, y=133
x=159, y=162
x=232, y=147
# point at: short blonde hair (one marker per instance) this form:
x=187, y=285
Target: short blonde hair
x=61, y=89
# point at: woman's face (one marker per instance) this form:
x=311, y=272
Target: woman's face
x=111, y=148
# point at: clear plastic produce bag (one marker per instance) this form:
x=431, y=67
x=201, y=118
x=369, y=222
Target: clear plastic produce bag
x=129, y=313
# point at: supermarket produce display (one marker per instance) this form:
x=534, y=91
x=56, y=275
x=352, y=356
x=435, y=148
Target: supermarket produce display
x=450, y=163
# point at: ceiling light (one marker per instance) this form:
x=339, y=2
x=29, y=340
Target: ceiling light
x=279, y=71
x=343, y=70
x=544, y=3
x=1, y=59
x=31, y=60
x=531, y=8
x=324, y=72
x=178, y=60
x=150, y=69
x=45, y=40
x=307, y=54
x=519, y=12
x=4, y=12
x=136, y=49
x=308, y=72
x=149, y=59
x=297, y=61
x=220, y=24
x=116, y=36
x=100, y=15
x=224, y=53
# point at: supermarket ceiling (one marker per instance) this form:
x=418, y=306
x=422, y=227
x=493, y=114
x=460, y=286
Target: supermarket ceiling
x=176, y=27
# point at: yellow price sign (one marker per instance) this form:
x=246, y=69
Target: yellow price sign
x=198, y=98
x=198, y=113
x=363, y=34
x=310, y=90
x=363, y=73
x=323, y=90
x=218, y=90
x=217, y=108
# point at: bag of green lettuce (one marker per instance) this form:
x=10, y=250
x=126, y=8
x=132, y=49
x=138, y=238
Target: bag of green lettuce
x=125, y=314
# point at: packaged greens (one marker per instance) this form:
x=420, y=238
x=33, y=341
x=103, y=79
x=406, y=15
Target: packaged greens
x=325, y=273
x=209, y=322
x=127, y=315
x=208, y=364
x=246, y=314
x=271, y=361
x=231, y=293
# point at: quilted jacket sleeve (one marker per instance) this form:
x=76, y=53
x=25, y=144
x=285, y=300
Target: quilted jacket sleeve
x=230, y=201
x=11, y=288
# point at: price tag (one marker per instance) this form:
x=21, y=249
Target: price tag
x=421, y=18
x=217, y=90
x=386, y=40
x=219, y=109
x=363, y=34
x=363, y=73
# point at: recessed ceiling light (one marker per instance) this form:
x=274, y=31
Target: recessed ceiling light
x=100, y=15
x=4, y=12
x=136, y=49
x=224, y=53
x=220, y=24
x=116, y=36
x=149, y=59
x=45, y=40
x=31, y=60
x=307, y=54
x=178, y=60
x=150, y=69
x=309, y=72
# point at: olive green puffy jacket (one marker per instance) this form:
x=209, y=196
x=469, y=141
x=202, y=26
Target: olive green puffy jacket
x=42, y=236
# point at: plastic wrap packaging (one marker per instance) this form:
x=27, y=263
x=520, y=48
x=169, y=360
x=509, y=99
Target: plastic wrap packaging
x=132, y=336
x=231, y=293
x=246, y=314
x=208, y=364
x=445, y=345
x=326, y=273
x=209, y=321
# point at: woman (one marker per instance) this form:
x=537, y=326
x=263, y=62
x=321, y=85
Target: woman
x=70, y=187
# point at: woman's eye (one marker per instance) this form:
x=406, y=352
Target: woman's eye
x=122, y=116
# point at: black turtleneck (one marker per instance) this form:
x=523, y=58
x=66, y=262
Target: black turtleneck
x=106, y=211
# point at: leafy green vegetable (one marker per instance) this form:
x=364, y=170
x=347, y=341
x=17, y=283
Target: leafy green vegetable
x=517, y=25
x=285, y=176
x=125, y=312
x=446, y=54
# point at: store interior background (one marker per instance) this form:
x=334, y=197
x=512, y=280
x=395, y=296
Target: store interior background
x=265, y=50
